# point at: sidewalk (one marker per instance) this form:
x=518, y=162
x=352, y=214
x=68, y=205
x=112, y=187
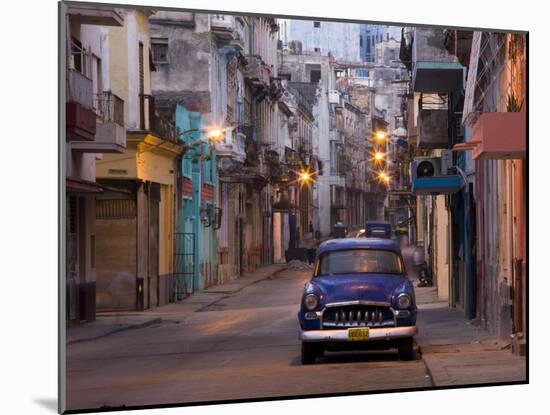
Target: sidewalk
x=108, y=323
x=458, y=353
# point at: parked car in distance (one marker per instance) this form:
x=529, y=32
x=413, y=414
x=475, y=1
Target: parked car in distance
x=359, y=297
x=377, y=229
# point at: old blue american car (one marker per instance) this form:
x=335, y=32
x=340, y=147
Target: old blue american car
x=359, y=297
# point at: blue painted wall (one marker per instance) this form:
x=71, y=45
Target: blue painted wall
x=189, y=214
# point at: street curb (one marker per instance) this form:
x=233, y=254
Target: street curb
x=226, y=295
x=159, y=320
x=118, y=330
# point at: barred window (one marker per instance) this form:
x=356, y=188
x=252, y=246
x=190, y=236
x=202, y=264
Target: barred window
x=159, y=48
x=116, y=209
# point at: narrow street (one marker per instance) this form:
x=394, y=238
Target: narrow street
x=211, y=155
x=244, y=346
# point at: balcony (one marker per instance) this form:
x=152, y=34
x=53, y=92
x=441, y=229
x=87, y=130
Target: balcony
x=223, y=27
x=81, y=118
x=433, y=68
x=93, y=15
x=233, y=146
x=499, y=136
x=151, y=120
x=110, y=132
x=257, y=73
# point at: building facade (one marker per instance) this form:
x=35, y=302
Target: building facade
x=94, y=126
x=135, y=227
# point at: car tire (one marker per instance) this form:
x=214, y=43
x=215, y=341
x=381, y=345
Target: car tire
x=310, y=351
x=405, y=347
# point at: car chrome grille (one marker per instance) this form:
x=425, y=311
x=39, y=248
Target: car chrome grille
x=358, y=316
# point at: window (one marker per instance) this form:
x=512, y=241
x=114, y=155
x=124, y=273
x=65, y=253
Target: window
x=159, y=48
x=187, y=165
x=361, y=41
x=360, y=261
x=317, y=49
x=314, y=76
x=316, y=24
x=77, y=55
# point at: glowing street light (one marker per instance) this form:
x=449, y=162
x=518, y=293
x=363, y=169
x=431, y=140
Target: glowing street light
x=214, y=134
x=380, y=135
x=304, y=176
x=384, y=177
x=379, y=156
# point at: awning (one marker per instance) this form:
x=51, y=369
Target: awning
x=82, y=186
x=88, y=187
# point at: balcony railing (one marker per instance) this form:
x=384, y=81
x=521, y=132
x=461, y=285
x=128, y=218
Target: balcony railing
x=79, y=88
x=109, y=107
x=110, y=133
x=81, y=118
x=152, y=121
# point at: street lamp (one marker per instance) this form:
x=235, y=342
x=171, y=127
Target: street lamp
x=380, y=135
x=379, y=156
x=304, y=177
x=214, y=135
x=384, y=177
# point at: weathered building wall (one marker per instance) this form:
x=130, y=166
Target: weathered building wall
x=428, y=46
x=186, y=77
x=372, y=35
x=341, y=40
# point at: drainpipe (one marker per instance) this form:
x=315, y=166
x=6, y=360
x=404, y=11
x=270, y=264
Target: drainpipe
x=198, y=282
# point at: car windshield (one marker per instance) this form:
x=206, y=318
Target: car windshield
x=360, y=261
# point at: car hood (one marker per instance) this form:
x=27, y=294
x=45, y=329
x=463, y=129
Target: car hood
x=364, y=287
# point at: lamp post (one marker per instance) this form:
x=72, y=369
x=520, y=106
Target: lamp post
x=214, y=135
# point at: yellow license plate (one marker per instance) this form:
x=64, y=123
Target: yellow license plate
x=358, y=334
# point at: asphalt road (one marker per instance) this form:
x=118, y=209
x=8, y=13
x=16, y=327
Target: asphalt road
x=244, y=346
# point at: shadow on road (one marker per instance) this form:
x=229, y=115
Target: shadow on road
x=356, y=357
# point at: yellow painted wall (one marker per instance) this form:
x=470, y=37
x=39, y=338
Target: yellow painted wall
x=118, y=62
x=166, y=224
x=155, y=167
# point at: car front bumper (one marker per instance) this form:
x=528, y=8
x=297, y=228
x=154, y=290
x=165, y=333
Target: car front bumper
x=386, y=333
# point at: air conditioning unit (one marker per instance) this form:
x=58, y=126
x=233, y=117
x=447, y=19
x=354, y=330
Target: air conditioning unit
x=333, y=97
x=435, y=175
x=432, y=166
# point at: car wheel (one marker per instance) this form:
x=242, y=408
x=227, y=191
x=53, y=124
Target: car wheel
x=309, y=352
x=405, y=347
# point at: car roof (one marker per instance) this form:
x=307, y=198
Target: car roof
x=377, y=222
x=355, y=243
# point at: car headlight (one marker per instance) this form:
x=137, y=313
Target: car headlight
x=403, y=301
x=311, y=301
